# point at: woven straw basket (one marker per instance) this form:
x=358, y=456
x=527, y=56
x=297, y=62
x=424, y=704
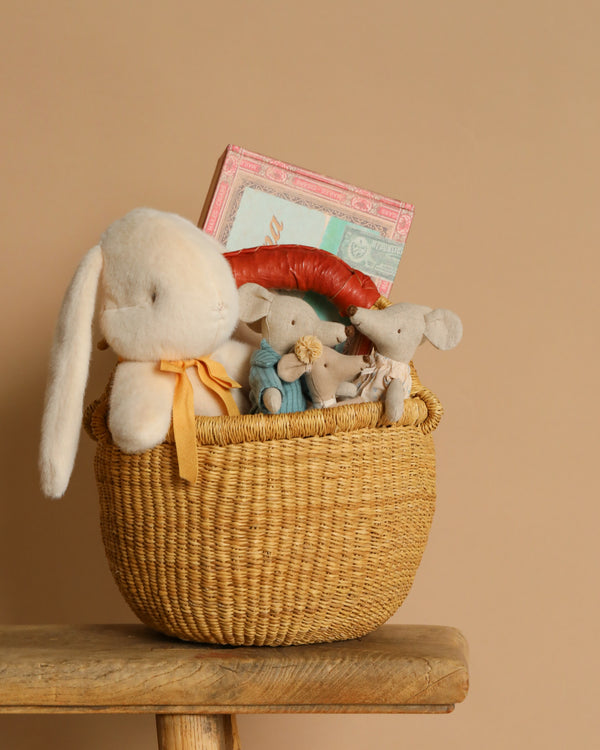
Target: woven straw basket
x=301, y=528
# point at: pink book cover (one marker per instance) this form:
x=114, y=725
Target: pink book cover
x=256, y=200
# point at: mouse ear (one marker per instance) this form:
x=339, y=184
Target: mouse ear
x=290, y=368
x=443, y=328
x=255, y=302
x=69, y=364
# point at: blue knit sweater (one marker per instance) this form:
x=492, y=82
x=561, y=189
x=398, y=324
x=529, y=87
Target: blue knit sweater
x=263, y=375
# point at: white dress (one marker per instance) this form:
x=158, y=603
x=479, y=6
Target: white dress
x=374, y=380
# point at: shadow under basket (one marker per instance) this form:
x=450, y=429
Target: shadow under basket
x=301, y=528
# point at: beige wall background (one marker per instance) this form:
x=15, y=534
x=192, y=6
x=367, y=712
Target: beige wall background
x=486, y=116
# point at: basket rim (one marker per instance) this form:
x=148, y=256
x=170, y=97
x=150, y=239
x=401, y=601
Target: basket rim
x=422, y=410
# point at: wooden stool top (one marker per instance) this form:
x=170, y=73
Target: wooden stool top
x=131, y=669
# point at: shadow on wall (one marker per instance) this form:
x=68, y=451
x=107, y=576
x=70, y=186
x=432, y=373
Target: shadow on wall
x=52, y=564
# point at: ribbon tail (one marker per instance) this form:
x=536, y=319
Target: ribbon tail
x=184, y=429
x=214, y=377
x=228, y=401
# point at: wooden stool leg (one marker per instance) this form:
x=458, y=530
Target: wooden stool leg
x=197, y=732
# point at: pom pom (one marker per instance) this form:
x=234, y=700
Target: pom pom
x=308, y=349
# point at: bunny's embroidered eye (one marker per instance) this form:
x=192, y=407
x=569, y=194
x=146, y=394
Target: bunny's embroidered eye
x=293, y=322
x=399, y=330
x=153, y=296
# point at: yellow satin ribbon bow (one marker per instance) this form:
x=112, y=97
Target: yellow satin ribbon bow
x=213, y=375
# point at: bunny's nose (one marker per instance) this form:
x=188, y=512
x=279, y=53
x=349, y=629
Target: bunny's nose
x=352, y=310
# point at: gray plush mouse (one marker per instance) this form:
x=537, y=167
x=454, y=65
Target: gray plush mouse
x=396, y=333
x=324, y=369
x=281, y=320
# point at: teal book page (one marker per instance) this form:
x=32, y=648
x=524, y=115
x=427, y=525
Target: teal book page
x=265, y=219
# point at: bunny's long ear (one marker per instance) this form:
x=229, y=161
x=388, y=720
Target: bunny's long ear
x=69, y=364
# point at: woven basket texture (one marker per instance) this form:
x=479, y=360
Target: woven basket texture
x=302, y=528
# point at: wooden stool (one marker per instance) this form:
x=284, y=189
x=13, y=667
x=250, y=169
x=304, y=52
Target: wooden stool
x=195, y=690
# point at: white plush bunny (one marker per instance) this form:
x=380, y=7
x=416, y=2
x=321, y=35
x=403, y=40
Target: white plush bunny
x=167, y=295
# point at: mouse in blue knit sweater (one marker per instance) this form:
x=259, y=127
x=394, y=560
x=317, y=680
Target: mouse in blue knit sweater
x=281, y=320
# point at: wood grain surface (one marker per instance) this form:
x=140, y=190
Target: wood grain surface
x=131, y=669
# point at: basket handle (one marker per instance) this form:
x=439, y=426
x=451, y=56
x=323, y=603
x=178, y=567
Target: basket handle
x=307, y=269
x=95, y=416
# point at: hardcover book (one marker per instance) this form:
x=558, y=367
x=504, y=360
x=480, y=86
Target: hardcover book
x=256, y=200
